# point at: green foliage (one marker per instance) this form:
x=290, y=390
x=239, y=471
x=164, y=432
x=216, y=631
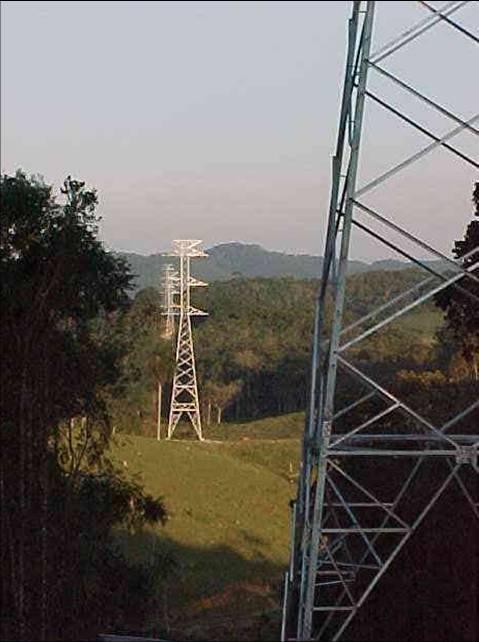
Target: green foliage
x=147, y=361
x=56, y=279
x=92, y=585
x=439, y=395
x=253, y=350
x=258, y=337
x=61, y=293
x=49, y=255
x=229, y=261
x=109, y=499
x=462, y=311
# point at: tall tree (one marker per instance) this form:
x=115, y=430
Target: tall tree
x=147, y=363
x=56, y=279
x=221, y=396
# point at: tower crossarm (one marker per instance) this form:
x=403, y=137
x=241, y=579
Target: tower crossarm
x=187, y=247
x=196, y=312
x=191, y=311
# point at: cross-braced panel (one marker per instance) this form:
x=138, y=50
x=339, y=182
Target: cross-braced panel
x=170, y=284
x=184, y=396
x=375, y=459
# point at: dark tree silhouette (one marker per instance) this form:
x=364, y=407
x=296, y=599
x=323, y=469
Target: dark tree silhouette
x=462, y=311
x=56, y=279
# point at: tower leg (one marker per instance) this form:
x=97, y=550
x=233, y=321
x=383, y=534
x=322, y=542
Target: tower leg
x=361, y=492
x=184, y=396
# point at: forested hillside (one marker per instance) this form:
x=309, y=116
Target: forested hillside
x=253, y=350
x=239, y=260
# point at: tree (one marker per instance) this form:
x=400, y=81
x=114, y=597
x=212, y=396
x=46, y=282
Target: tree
x=147, y=363
x=462, y=311
x=57, y=285
x=221, y=396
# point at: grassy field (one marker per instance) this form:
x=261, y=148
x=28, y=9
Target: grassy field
x=228, y=529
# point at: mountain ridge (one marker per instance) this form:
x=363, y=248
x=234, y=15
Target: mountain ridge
x=227, y=261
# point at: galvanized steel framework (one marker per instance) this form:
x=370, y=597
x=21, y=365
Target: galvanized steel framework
x=345, y=530
x=184, y=396
x=170, y=282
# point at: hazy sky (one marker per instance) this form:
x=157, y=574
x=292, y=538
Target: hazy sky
x=217, y=120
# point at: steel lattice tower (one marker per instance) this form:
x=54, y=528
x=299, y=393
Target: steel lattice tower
x=170, y=283
x=184, y=396
x=363, y=461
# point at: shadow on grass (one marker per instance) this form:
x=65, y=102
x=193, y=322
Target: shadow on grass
x=206, y=593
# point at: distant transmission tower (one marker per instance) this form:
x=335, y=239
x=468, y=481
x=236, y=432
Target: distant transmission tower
x=373, y=467
x=184, y=396
x=170, y=289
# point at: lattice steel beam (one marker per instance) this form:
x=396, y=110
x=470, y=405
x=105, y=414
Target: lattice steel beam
x=184, y=395
x=346, y=529
x=170, y=288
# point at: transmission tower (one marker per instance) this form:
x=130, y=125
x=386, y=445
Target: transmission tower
x=170, y=289
x=373, y=467
x=184, y=396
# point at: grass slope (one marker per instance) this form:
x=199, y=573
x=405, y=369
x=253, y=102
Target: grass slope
x=229, y=525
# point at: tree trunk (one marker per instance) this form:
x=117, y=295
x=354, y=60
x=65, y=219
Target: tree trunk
x=208, y=416
x=218, y=416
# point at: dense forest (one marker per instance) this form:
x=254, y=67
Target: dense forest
x=253, y=350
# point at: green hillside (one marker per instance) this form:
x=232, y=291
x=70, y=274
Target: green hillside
x=228, y=261
x=253, y=350
x=240, y=260
x=228, y=504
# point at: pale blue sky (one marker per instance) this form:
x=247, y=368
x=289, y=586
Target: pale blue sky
x=217, y=120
